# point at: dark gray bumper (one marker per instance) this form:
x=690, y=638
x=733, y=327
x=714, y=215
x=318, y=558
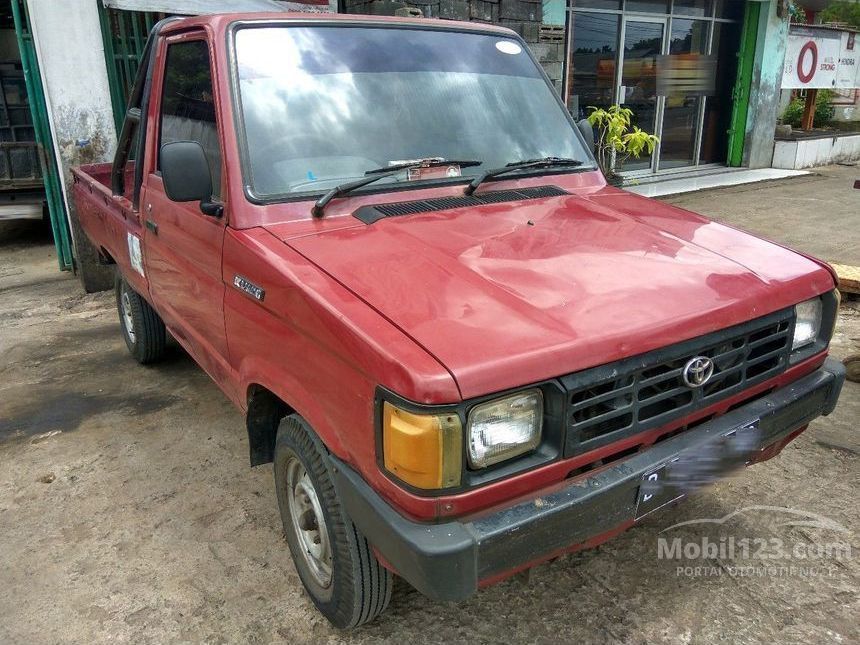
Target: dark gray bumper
x=445, y=561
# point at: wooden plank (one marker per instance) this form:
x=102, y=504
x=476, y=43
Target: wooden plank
x=849, y=277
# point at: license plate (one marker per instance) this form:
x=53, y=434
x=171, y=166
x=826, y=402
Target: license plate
x=693, y=469
x=655, y=492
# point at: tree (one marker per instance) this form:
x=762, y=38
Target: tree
x=843, y=12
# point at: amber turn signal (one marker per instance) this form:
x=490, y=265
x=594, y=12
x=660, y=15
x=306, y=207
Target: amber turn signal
x=424, y=450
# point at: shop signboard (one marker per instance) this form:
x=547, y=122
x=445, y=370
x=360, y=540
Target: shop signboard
x=811, y=58
x=848, y=69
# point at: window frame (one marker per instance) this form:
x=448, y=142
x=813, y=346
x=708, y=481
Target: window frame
x=178, y=39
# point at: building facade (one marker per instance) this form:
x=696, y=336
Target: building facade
x=603, y=52
x=723, y=59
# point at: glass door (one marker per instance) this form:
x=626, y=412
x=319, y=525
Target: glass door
x=683, y=75
x=643, y=40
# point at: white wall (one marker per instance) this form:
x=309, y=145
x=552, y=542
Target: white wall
x=71, y=58
x=808, y=153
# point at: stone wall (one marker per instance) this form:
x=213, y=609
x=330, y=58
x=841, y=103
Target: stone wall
x=523, y=16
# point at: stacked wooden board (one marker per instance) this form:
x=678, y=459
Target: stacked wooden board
x=849, y=278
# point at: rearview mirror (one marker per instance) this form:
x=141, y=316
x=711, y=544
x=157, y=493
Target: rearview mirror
x=186, y=175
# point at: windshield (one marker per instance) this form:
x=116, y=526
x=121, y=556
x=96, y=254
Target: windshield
x=323, y=105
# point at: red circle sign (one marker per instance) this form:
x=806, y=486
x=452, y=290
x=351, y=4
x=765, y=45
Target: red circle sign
x=808, y=47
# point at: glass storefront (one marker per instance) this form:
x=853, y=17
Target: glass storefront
x=672, y=62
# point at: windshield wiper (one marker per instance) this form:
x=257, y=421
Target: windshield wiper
x=426, y=163
x=380, y=173
x=343, y=189
x=545, y=162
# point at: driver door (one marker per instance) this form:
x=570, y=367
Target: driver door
x=183, y=246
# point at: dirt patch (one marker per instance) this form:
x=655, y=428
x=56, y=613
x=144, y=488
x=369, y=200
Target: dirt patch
x=48, y=409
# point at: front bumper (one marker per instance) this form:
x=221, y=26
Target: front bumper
x=446, y=561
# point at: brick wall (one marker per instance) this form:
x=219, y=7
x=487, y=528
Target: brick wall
x=523, y=16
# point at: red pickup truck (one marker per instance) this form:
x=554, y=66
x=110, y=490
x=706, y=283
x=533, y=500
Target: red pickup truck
x=387, y=241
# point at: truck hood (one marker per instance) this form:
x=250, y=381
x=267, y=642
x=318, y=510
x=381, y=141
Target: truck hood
x=505, y=295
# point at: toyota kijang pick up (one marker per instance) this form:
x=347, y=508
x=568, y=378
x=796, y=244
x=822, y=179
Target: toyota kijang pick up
x=388, y=243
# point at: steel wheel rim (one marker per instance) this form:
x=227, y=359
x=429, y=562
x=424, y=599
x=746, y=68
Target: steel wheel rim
x=127, y=320
x=308, y=523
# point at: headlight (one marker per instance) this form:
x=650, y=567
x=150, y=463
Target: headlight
x=807, y=323
x=504, y=428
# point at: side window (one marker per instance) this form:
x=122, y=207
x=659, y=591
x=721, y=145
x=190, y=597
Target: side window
x=188, y=104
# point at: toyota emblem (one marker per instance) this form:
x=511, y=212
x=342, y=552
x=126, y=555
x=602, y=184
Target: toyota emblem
x=698, y=371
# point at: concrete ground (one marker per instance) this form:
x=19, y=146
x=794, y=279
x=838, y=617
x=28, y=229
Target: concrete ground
x=128, y=512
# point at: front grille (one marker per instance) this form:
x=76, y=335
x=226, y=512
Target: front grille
x=625, y=398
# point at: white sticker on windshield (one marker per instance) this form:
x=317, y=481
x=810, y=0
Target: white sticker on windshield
x=508, y=47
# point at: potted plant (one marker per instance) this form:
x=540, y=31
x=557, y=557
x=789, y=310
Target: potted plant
x=618, y=140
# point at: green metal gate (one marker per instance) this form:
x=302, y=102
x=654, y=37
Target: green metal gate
x=741, y=90
x=124, y=34
x=42, y=128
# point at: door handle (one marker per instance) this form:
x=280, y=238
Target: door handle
x=152, y=226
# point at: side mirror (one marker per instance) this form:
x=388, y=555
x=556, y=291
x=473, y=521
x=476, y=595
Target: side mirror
x=186, y=176
x=587, y=132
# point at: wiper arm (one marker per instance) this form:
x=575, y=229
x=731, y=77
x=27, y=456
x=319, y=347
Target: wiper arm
x=343, y=189
x=380, y=173
x=426, y=163
x=545, y=162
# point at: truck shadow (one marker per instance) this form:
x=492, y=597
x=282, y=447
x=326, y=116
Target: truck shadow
x=51, y=409
x=97, y=376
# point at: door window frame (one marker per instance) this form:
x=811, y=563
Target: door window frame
x=157, y=90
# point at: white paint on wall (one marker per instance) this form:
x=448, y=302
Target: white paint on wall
x=808, y=153
x=68, y=42
x=764, y=91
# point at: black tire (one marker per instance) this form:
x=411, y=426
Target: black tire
x=359, y=587
x=142, y=328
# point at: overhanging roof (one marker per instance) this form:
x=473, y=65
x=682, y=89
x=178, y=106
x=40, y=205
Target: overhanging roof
x=197, y=7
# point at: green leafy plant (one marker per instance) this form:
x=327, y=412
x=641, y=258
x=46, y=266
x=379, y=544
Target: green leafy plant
x=842, y=12
x=617, y=138
x=823, y=110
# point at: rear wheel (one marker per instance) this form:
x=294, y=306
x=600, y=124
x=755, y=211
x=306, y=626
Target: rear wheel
x=142, y=328
x=334, y=561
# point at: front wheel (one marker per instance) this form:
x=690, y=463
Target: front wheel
x=142, y=327
x=334, y=561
